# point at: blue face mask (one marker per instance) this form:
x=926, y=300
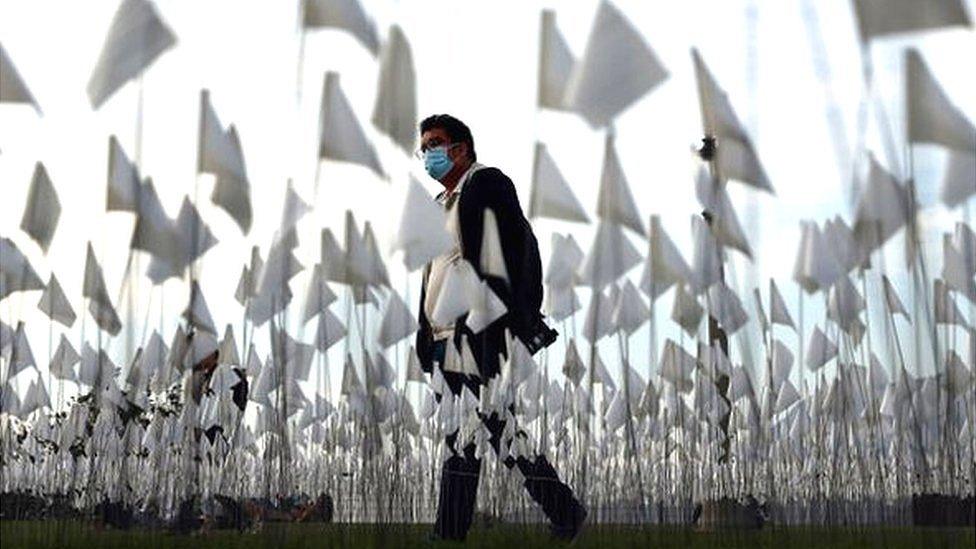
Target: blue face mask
x=437, y=162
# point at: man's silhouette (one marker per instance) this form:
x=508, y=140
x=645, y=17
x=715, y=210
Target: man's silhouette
x=470, y=189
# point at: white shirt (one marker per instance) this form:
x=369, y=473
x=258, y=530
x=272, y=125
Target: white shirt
x=437, y=269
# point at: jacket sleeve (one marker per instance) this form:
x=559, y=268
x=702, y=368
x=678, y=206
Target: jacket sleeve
x=490, y=188
x=424, y=340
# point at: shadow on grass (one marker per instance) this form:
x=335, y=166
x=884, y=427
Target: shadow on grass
x=73, y=534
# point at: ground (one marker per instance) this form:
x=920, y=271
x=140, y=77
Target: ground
x=37, y=534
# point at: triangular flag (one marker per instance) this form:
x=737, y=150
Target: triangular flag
x=736, y=156
x=341, y=137
x=21, y=356
x=707, y=260
x=244, y=285
x=232, y=192
x=466, y=360
x=615, y=202
x=816, y=266
x=782, y=363
x=99, y=304
x=932, y=118
x=664, y=266
x=456, y=296
x=839, y=237
x=104, y=314
x=891, y=298
x=395, y=108
x=564, y=260
x=598, y=323
x=486, y=308
x=350, y=380
x=358, y=260
x=414, y=373
x=760, y=310
x=43, y=209
x=551, y=195
x=16, y=272
x=882, y=210
x=197, y=313
x=555, y=64
x=957, y=270
x=778, y=312
x=122, y=193
x=959, y=182
x=786, y=397
x=844, y=303
x=677, y=366
x=155, y=232
x=293, y=209
x=883, y=17
x=629, y=312
x=12, y=87
x=193, y=239
x=714, y=199
x=398, y=322
x=573, y=367
x=228, y=348
x=946, y=309
x=422, y=235
x=63, y=361
x=318, y=296
x=330, y=331
x=726, y=307
x=347, y=15
x=610, y=257
x=600, y=373
x=55, y=304
x=686, y=311
x=378, y=275
x=821, y=350
x=617, y=68
x=135, y=39
x=492, y=260
x=561, y=302
x=152, y=358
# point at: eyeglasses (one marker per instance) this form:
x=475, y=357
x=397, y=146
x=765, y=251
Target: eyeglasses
x=432, y=144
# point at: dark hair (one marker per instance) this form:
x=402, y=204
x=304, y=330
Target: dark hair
x=456, y=130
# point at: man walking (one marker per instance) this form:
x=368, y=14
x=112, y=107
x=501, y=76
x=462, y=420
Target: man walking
x=471, y=189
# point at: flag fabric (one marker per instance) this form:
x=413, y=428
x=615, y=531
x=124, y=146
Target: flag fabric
x=136, y=37
x=617, y=69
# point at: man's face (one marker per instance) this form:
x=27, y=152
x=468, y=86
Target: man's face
x=437, y=137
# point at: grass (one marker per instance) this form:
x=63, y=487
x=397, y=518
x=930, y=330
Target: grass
x=71, y=534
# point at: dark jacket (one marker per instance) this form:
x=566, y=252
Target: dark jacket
x=522, y=296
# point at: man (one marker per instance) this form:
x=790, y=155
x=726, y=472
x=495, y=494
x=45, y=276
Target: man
x=471, y=189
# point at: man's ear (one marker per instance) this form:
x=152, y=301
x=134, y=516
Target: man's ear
x=460, y=152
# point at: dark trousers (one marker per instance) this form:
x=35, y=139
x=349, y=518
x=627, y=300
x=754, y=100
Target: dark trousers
x=459, y=476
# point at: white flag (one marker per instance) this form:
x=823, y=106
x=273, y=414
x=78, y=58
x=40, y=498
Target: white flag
x=341, y=137
x=932, y=118
x=395, y=108
x=12, y=87
x=136, y=38
x=617, y=69
x=555, y=64
x=43, y=209
x=551, y=195
x=884, y=17
x=347, y=15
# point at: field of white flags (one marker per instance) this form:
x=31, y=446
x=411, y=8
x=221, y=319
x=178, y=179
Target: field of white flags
x=219, y=349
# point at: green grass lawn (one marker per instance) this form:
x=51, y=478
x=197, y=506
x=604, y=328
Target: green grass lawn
x=66, y=534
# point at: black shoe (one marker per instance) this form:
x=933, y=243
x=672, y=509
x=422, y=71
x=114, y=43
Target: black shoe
x=571, y=532
x=438, y=538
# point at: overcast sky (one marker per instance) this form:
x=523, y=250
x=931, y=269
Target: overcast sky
x=476, y=60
